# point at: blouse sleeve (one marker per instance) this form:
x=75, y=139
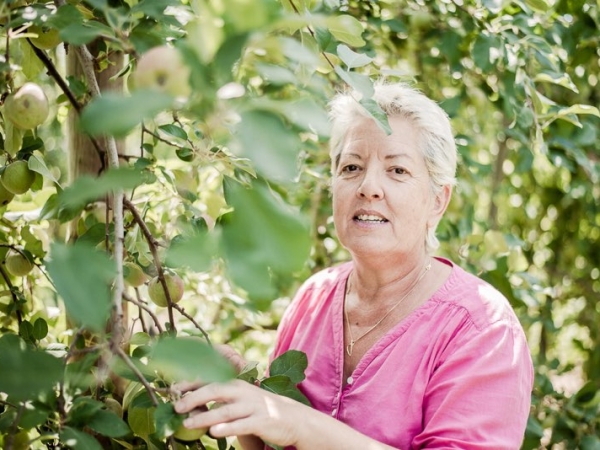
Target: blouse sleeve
x=479, y=394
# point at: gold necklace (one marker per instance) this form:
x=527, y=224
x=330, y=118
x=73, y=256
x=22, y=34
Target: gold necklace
x=353, y=341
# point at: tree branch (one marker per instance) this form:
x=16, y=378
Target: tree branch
x=153, y=244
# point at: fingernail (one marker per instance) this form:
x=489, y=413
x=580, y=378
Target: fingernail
x=187, y=423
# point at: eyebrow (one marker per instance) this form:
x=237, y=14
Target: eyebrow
x=387, y=157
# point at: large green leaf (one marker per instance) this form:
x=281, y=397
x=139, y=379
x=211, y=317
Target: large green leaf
x=282, y=385
x=262, y=236
x=108, y=424
x=346, y=29
x=195, y=252
x=292, y=364
x=351, y=58
x=82, y=278
x=116, y=115
x=86, y=188
x=78, y=440
x=26, y=373
x=189, y=358
x=273, y=147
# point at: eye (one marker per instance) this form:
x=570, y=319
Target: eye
x=349, y=168
x=400, y=170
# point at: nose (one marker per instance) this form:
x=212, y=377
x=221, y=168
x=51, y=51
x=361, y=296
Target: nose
x=370, y=186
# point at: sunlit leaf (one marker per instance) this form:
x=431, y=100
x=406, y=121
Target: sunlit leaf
x=82, y=278
x=188, y=359
x=262, y=235
x=269, y=143
x=347, y=29
x=86, y=189
x=36, y=163
x=351, y=58
x=116, y=115
x=292, y=364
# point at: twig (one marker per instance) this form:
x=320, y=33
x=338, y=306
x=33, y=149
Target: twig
x=191, y=319
x=141, y=305
x=53, y=72
x=119, y=351
x=12, y=293
x=153, y=244
x=312, y=33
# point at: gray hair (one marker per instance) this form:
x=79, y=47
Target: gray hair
x=399, y=99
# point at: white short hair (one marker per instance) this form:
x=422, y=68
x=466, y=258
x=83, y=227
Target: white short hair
x=399, y=99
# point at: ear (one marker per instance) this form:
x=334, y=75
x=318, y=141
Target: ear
x=440, y=203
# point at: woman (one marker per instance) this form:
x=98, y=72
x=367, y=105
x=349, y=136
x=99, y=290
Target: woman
x=405, y=350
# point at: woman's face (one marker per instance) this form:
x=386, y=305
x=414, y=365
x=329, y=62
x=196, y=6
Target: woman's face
x=382, y=200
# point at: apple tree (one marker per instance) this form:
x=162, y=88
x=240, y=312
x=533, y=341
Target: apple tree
x=149, y=164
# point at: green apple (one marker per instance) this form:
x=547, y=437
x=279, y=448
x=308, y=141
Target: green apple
x=189, y=434
x=5, y=195
x=47, y=38
x=157, y=293
x=27, y=107
x=162, y=69
x=134, y=276
x=17, y=264
x=17, y=178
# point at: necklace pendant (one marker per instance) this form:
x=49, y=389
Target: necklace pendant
x=349, y=348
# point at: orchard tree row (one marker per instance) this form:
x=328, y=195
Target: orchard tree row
x=164, y=187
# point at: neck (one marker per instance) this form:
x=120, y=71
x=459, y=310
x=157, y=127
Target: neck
x=371, y=283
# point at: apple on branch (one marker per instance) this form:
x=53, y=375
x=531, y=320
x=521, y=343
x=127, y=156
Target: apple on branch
x=27, y=107
x=17, y=178
x=162, y=69
x=157, y=293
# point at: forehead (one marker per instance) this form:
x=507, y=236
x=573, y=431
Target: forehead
x=367, y=137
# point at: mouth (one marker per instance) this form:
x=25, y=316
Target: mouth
x=369, y=218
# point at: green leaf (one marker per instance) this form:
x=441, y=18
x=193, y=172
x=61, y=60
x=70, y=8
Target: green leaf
x=272, y=147
x=560, y=79
x=174, y=130
x=116, y=115
x=351, y=58
x=482, y=54
x=26, y=373
x=83, y=410
x=346, y=29
x=141, y=421
x=262, y=236
x=377, y=114
x=166, y=420
x=108, y=424
x=538, y=5
x=36, y=163
x=357, y=81
x=83, y=33
x=195, y=252
x=292, y=364
x=188, y=359
x=282, y=385
x=86, y=189
x=40, y=329
x=78, y=440
x=579, y=109
x=82, y=277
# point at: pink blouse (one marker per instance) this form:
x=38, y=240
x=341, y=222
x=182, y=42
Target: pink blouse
x=455, y=374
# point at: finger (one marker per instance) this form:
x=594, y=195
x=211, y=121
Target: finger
x=206, y=394
x=184, y=386
x=230, y=412
x=232, y=356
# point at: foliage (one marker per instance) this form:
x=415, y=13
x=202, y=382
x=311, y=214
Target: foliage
x=227, y=188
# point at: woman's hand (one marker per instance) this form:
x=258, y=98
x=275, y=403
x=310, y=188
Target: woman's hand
x=244, y=409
